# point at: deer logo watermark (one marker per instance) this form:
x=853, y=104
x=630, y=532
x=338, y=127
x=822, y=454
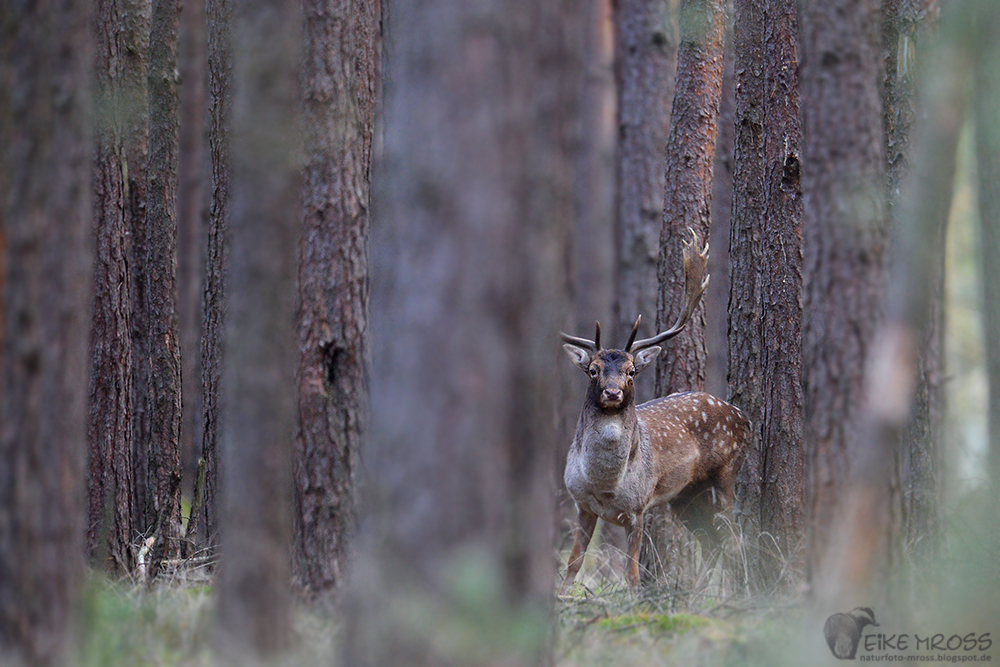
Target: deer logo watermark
x=843, y=631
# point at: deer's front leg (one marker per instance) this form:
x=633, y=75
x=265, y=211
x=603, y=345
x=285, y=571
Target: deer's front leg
x=581, y=540
x=634, y=530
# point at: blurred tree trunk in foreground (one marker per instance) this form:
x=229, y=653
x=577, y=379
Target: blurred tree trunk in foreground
x=163, y=485
x=258, y=427
x=917, y=471
x=340, y=79
x=766, y=289
x=45, y=223
x=122, y=31
x=987, y=116
x=844, y=242
x=690, y=158
x=219, y=13
x=865, y=541
x=469, y=290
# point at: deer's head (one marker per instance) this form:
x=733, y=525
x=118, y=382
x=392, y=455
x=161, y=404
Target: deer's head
x=612, y=371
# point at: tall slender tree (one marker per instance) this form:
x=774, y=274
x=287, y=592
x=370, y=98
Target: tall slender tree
x=906, y=27
x=258, y=426
x=766, y=287
x=844, y=242
x=468, y=294
x=163, y=486
x=219, y=13
x=192, y=215
x=690, y=159
x=122, y=33
x=45, y=274
x=339, y=78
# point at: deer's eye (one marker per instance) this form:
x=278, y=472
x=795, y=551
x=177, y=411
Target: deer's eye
x=593, y=371
x=631, y=372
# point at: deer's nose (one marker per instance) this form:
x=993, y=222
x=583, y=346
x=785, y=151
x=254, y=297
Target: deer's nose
x=612, y=394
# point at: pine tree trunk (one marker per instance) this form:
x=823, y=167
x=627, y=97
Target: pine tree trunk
x=120, y=153
x=689, y=162
x=163, y=334
x=844, y=242
x=45, y=274
x=341, y=43
x=917, y=471
x=192, y=231
x=766, y=289
x=468, y=295
x=219, y=14
x=258, y=427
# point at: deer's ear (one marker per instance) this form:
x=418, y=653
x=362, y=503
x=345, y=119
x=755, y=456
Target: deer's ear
x=645, y=357
x=578, y=355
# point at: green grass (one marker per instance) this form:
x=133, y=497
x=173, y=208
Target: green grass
x=171, y=625
x=614, y=626
x=125, y=624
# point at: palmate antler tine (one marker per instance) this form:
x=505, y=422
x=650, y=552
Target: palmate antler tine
x=592, y=345
x=635, y=330
x=695, y=281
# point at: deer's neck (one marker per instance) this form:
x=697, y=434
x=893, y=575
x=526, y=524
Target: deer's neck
x=608, y=440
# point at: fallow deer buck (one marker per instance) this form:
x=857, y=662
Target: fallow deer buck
x=685, y=449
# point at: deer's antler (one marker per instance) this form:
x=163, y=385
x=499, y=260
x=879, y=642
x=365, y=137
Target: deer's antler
x=592, y=345
x=695, y=281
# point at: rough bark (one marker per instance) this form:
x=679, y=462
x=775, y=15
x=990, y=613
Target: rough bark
x=45, y=271
x=469, y=275
x=746, y=354
x=219, y=14
x=844, y=241
x=258, y=427
x=122, y=34
x=690, y=160
x=645, y=63
x=766, y=289
x=339, y=81
x=163, y=334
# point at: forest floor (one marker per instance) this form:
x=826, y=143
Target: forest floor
x=170, y=624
